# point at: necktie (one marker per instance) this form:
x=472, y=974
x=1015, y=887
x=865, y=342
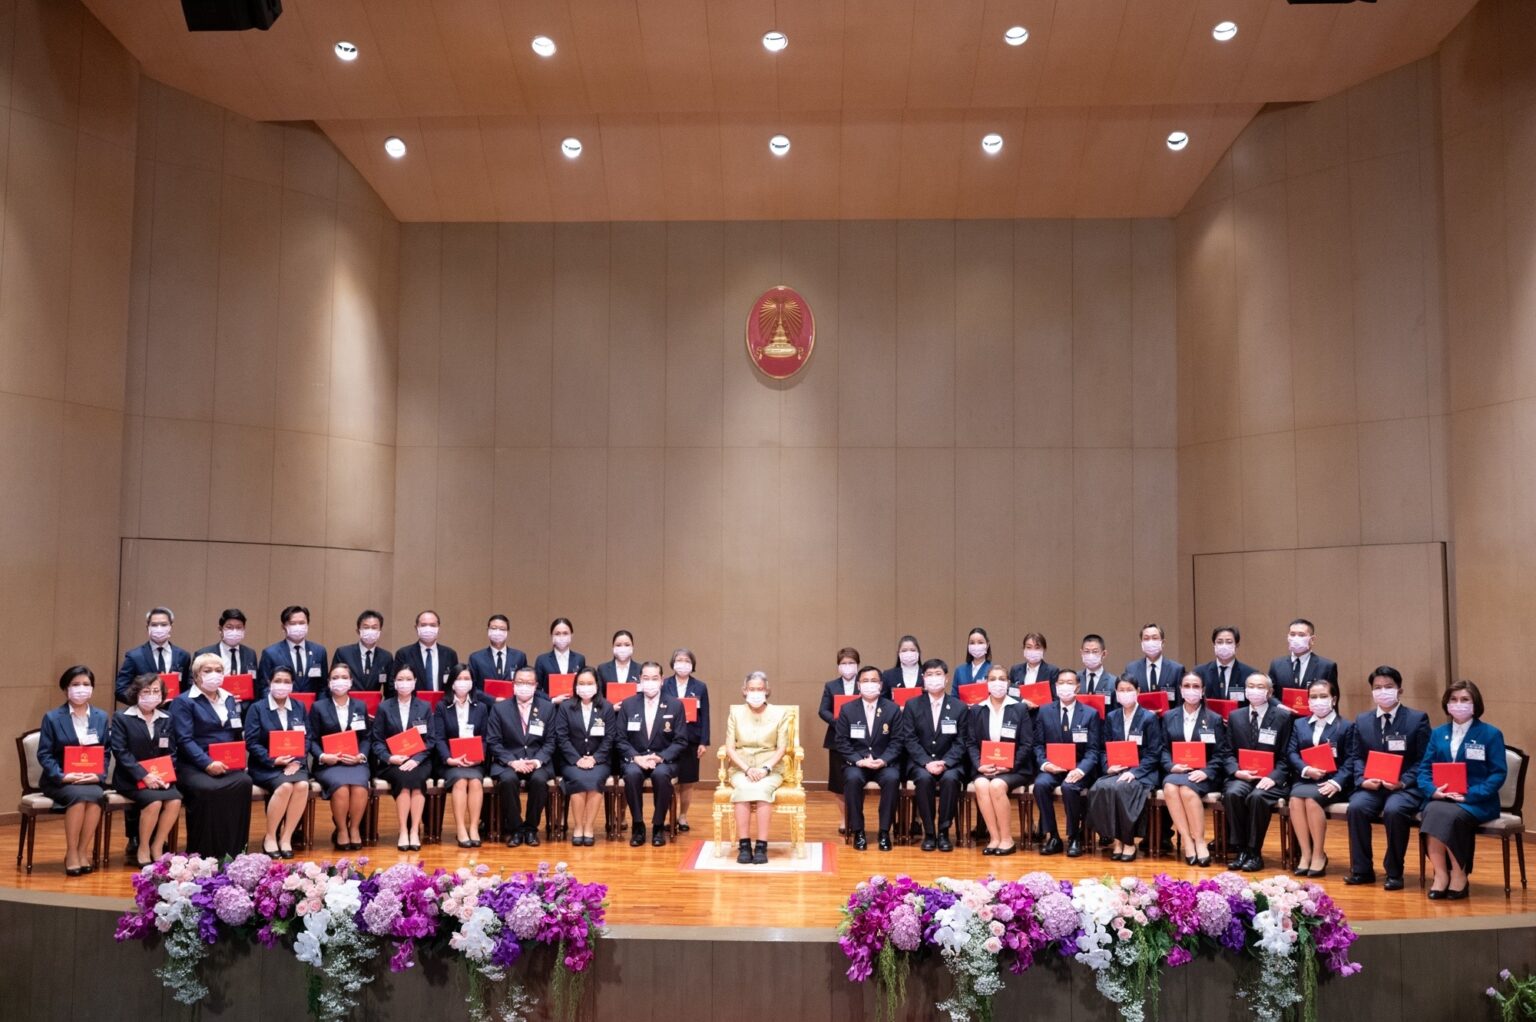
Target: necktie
x=1253, y=720
x=501, y=664
x=160, y=659
x=1066, y=720
x=1093, y=681
x=1296, y=672
x=1151, y=677
x=298, y=661
x=1225, y=680
x=426, y=663
x=367, y=662
x=234, y=660
x=1383, y=725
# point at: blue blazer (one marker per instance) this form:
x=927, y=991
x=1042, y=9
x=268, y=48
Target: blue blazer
x=260, y=721
x=132, y=740
x=445, y=725
x=1408, y=725
x=922, y=744
x=1015, y=716
x=196, y=726
x=56, y=732
x=1217, y=751
x=1016, y=673
x=1319, y=668
x=574, y=738
x=482, y=665
x=965, y=674
x=608, y=672
x=1169, y=671
x=698, y=731
x=324, y=720
x=141, y=660
x=249, y=659
x=277, y=655
x=1484, y=776
x=443, y=659
x=1146, y=724
x=545, y=665
x=666, y=738
x=1085, y=722
x=352, y=655
x=506, y=739
x=1210, y=674
x=388, y=724
x=1346, y=752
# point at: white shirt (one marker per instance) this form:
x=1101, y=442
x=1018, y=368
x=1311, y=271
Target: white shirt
x=909, y=676
x=1031, y=675
x=228, y=653
x=1458, y=733
x=1318, y=723
x=1128, y=715
x=82, y=725
x=151, y=720
x=219, y=706
x=281, y=711
x=650, y=706
x=170, y=657
x=995, y=721
x=848, y=687
x=1191, y=725
x=1302, y=674
x=621, y=671
x=563, y=661
x=461, y=710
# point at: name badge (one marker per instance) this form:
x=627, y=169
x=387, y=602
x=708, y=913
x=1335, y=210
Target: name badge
x=1266, y=736
x=314, y=670
x=359, y=724
x=858, y=731
x=235, y=722
x=947, y=727
x=1208, y=737
x=1008, y=731
x=297, y=727
x=90, y=738
x=1397, y=745
x=165, y=743
x=422, y=728
x=598, y=729
x=536, y=727
x=1476, y=753
x=1013, y=690
x=469, y=731
x=1080, y=736
x=1135, y=738
x=634, y=725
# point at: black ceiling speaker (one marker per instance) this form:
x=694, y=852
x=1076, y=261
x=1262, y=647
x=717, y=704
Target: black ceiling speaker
x=230, y=15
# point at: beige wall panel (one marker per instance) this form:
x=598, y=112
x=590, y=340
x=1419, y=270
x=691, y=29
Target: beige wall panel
x=253, y=150
x=925, y=544
x=421, y=252
x=750, y=540
x=692, y=577
x=1328, y=595
x=1211, y=497
x=45, y=61
x=300, y=477
x=100, y=252
x=306, y=289
x=416, y=554
x=1154, y=333
x=635, y=532
x=363, y=349
x=1402, y=594
x=352, y=580
x=1322, y=342
x=239, y=575
x=1103, y=391
x=298, y=578
x=467, y=340
x=310, y=162
x=1103, y=544
x=692, y=404
x=525, y=402
x=866, y=354
x=163, y=573
x=984, y=542
x=1207, y=323
x=466, y=485
x=1220, y=591
x=751, y=265
x=35, y=257
x=1042, y=331
x=984, y=321
x=188, y=131
x=1476, y=278
x=1044, y=576
x=578, y=537
x=809, y=412
x=1317, y=135
x=1382, y=115
x=359, y=496
x=1258, y=155
x=867, y=553
x=1270, y=600
x=174, y=479
x=580, y=375
x=1263, y=341
x=1327, y=486
x=925, y=334
x=521, y=559
x=808, y=569
x=637, y=301
x=242, y=381
x=240, y=484
x=183, y=292
x=90, y=474
x=1269, y=491
x=1152, y=569
x=1397, y=487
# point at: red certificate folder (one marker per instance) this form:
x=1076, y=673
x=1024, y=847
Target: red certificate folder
x=1257, y=760
x=1321, y=757
x=286, y=743
x=161, y=766
x=231, y=754
x=975, y=692
x=1062, y=754
x=903, y=696
x=691, y=707
x=241, y=686
x=306, y=698
x=498, y=688
x=1096, y=702
x=562, y=685
x=1222, y=706
x=1123, y=754
x=370, y=701
x=430, y=698
x=85, y=759
x=1191, y=754
x=472, y=749
x=406, y=743
x=1039, y=693
x=1157, y=702
x=1295, y=700
x=172, y=685
x=342, y=743
x=618, y=691
x=998, y=754
x=1450, y=776
x=1383, y=766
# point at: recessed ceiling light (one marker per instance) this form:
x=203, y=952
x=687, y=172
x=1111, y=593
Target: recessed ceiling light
x=992, y=144
x=543, y=45
x=571, y=147
x=394, y=146
x=1224, y=30
x=773, y=42
x=778, y=145
x=1018, y=35
x=346, y=51
x=1177, y=140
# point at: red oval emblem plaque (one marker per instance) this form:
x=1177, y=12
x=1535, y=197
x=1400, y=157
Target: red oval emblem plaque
x=780, y=333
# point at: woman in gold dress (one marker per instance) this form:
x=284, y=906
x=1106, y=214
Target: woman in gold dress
x=755, y=739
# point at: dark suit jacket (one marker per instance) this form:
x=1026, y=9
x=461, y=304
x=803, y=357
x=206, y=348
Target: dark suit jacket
x=1346, y=753
x=833, y=688
x=388, y=724
x=324, y=720
x=1240, y=735
x=196, y=726
x=443, y=659
x=1087, y=733
x=881, y=742
x=260, y=721
x=1015, y=716
x=1318, y=667
x=574, y=737
x=57, y=731
x=1169, y=671
x=1210, y=674
x=249, y=658
x=1146, y=724
x=698, y=731
x=140, y=660
x=1218, y=753
x=1408, y=725
x=1104, y=685
x=891, y=679
x=1047, y=672
x=352, y=655
x=506, y=739
x=667, y=737
x=923, y=744
x=482, y=665
x=132, y=741
x=445, y=725
x=279, y=654
x=544, y=665
x=608, y=672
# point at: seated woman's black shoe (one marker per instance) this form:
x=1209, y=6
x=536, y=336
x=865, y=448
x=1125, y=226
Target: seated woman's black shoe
x=744, y=852
x=1451, y=894
x=760, y=854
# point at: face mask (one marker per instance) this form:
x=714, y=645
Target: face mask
x=935, y=684
x=908, y=657
x=978, y=649
x=682, y=668
x=586, y=691
x=1192, y=695
x=869, y=689
x=1320, y=707
x=211, y=682
x=147, y=703
x=1066, y=693
x=848, y=671
x=1126, y=699
x=523, y=692
x=404, y=687
x=281, y=690
x=1460, y=712
x=1225, y=651
x=997, y=688
x=297, y=633
x=623, y=652
x=497, y=636
x=1153, y=648
x=1386, y=698
x=80, y=694
x=1257, y=696
x=1298, y=644
x=462, y=687
x=427, y=633
x=159, y=633
x=650, y=688
x=1033, y=656
x=1092, y=660
x=341, y=686
x=756, y=699
x=369, y=636
x=234, y=637
x=562, y=642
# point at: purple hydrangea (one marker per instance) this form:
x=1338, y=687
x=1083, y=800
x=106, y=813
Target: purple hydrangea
x=232, y=905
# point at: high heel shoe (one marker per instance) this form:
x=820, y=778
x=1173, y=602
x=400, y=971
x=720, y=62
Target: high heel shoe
x=1006, y=850
x=1190, y=860
x=1452, y=894
x=1300, y=870
x=1319, y=871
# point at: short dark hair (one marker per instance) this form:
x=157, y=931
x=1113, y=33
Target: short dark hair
x=1124, y=679
x=1094, y=637
x=401, y=665
x=525, y=669
x=866, y=669
x=170, y=615
x=1159, y=628
x=651, y=663
x=557, y=622
x=849, y=653
x=78, y=671
x=456, y=670
x=1067, y=670
x=1385, y=671
x=339, y=663
x=1237, y=636
x=288, y=612
x=928, y=665
x=432, y=612
x=139, y=683
x=280, y=669
x=365, y=615
x=1333, y=688
x=497, y=617
x=625, y=633
x=1302, y=621
x=1462, y=686
x=1035, y=636
x=232, y=614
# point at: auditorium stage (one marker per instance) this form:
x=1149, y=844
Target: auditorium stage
x=720, y=942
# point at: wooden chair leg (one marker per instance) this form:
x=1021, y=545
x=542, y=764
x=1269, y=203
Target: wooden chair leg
x=1520, y=851
x=31, y=842
x=1505, y=843
x=21, y=839
x=1423, y=853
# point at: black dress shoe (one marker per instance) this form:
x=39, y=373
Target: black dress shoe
x=760, y=854
x=929, y=844
x=944, y=845
x=1105, y=842
x=1074, y=848
x=1204, y=862
x=1451, y=894
x=1393, y=884
x=415, y=847
x=1319, y=871
x=859, y=841
x=515, y=839
x=576, y=841
x=1236, y=861
x=744, y=852
x=531, y=839
x=842, y=831
x=636, y=838
x=1129, y=856
x=74, y=871
x=659, y=838
x=989, y=850
x=1006, y=850
x=683, y=828
x=1357, y=879
x=1253, y=864
x=1436, y=895
x=474, y=842
x=885, y=841
x=1052, y=846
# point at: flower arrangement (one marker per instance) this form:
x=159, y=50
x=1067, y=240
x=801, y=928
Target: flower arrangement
x=1125, y=930
x=338, y=919
x=1519, y=1005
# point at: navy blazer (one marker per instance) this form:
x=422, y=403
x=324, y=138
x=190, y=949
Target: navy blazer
x=1016, y=673
x=445, y=725
x=196, y=726
x=280, y=654
x=923, y=744
x=1145, y=725
x=667, y=738
x=249, y=658
x=1237, y=673
x=133, y=740
x=482, y=665
x=698, y=731
x=1087, y=733
x=1015, y=717
x=443, y=660
x=506, y=740
x=829, y=691
x=1217, y=752
x=883, y=742
x=141, y=660
x=575, y=737
x=1103, y=685
x=1346, y=752
x=260, y=721
x=57, y=731
x=608, y=672
x=544, y=665
x=965, y=674
x=352, y=655
x=388, y=724
x=1410, y=727
x=1485, y=776
x=1169, y=671
x=891, y=679
x=1241, y=735
x=324, y=720
x=1319, y=668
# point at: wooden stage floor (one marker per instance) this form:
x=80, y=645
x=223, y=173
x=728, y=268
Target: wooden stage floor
x=652, y=887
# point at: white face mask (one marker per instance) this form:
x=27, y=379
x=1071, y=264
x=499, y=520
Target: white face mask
x=756, y=698
x=80, y=694
x=1093, y=660
x=586, y=691
x=649, y=688
x=1066, y=693
x=369, y=636
x=1298, y=644
x=1192, y=695
x=148, y=701
x=869, y=689
x=1225, y=651
x=498, y=636
x=427, y=634
x=1460, y=712
x=997, y=688
x=280, y=690
x=934, y=684
x=211, y=682
x=159, y=633
x=682, y=668
x=404, y=686
x=908, y=657
x=1126, y=699
x=1320, y=707
x=341, y=686
x=462, y=687
x=1153, y=648
x=623, y=651
x=1386, y=698
x=523, y=692
x=848, y=671
x=1033, y=656
x=977, y=649
x=297, y=633
x=562, y=642
x=234, y=637
x=1257, y=696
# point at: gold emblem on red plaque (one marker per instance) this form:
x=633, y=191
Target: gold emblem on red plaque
x=780, y=333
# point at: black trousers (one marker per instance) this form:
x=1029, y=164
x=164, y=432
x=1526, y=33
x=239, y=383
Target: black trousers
x=509, y=784
x=854, y=779
x=1074, y=800
x=1249, y=811
x=1396, y=810
x=947, y=787
x=661, y=793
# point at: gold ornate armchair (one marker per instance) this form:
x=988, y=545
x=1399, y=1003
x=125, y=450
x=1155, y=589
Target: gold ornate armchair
x=788, y=801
